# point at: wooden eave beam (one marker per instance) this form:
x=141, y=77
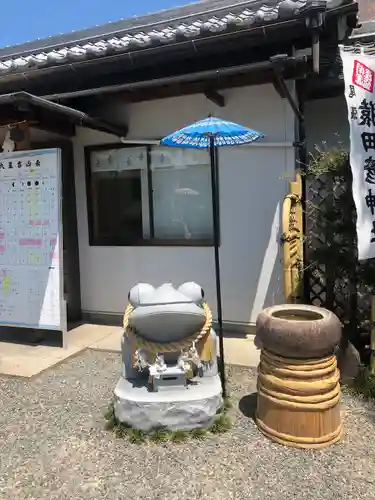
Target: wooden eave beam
x=215, y=97
x=196, y=87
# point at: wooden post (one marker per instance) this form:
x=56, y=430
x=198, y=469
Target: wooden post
x=292, y=228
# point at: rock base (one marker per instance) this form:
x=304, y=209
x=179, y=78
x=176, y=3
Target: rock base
x=349, y=363
x=182, y=409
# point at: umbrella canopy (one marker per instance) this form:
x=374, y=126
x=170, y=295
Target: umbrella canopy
x=199, y=135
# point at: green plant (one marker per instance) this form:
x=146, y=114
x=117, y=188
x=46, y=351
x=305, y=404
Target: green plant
x=109, y=417
x=330, y=211
x=228, y=372
x=363, y=384
x=222, y=423
x=179, y=436
x=136, y=435
x=160, y=435
x=227, y=404
x=120, y=432
x=110, y=423
x=199, y=433
x=110, y=411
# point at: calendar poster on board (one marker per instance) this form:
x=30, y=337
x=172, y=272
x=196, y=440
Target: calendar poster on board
x=31, y=268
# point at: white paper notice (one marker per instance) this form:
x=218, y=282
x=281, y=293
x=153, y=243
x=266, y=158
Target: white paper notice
x=31, y=289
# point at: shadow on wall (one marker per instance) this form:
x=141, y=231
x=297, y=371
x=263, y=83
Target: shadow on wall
x=251, y=219
x=270, y=282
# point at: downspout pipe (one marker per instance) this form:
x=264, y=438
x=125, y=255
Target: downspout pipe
x=302, y=163
x=298, y=106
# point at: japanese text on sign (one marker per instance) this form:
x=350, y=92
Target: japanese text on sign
x=31, y=286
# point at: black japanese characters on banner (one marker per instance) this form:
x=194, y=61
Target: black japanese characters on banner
x=369, y=168
x=367, y=113
x=370, y=201
x=359, y=76
x=365, y=116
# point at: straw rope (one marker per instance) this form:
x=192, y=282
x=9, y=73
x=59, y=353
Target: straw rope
x=272, y=365
x=163, y=347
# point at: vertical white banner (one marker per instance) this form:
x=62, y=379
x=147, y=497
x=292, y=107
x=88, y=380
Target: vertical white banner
x=359, y=72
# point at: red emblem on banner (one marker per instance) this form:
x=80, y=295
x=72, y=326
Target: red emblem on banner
x=363, y=76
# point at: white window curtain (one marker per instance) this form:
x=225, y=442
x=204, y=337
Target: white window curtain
x=119, y=159
x=181, y=183
x=132, y=158
x=104, y=161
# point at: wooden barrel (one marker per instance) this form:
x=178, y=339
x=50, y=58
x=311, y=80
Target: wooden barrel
x=298, y=400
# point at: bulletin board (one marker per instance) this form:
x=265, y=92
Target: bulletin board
x=31, y=266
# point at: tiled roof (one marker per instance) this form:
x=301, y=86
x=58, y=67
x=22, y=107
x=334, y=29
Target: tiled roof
x=179, y=24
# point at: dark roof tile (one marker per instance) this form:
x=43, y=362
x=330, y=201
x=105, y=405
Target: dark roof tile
x=180, y=23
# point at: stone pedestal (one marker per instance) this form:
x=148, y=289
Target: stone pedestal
x=182, y=409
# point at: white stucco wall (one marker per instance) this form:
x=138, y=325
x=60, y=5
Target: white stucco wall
x=253, y=181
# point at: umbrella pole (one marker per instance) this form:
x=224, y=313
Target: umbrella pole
x=216, y=224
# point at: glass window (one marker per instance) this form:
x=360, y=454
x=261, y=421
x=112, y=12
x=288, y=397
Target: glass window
x=149, y=194
x=181, y=194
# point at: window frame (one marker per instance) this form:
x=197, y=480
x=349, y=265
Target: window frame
x=151, y=241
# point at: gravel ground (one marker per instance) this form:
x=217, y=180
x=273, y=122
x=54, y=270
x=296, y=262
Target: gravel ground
x=54, y=446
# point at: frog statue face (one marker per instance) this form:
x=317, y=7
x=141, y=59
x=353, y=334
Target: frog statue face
x=166, y=314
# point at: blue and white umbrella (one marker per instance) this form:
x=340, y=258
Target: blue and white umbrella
x=212, y=133
x=201, y=134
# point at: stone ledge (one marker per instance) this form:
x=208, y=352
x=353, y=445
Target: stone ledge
x=183, y=409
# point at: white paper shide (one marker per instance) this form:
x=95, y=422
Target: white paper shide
x=359, y=72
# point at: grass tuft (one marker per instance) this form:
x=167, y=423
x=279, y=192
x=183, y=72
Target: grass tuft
x=110, y=423
x=363, y=384
x=136, y=435
x=227, y=403
x=199, y=433
x=179, y=436
x=119, y=431
x=222, y=423
x=110, y=411
x=160, y=435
